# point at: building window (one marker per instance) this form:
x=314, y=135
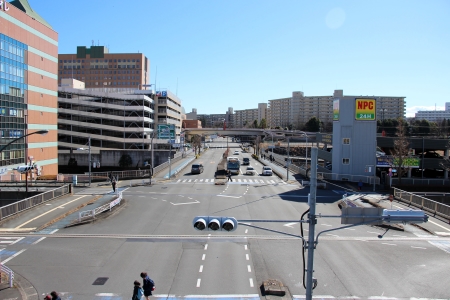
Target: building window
x=346, y=161
x=346, y=141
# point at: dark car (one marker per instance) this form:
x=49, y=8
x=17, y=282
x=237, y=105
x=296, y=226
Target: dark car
x=246, y=161
x=197, y=169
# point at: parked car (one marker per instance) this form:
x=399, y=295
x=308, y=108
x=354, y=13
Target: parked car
x=246, y=161
x=267, y=171
x=236, y=152
x=197, y=169
x=250, y=171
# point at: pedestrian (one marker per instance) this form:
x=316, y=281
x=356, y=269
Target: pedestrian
x=148, y=285
x=229, y=176
x=55, y=296
x=110, y=176
x=137, y=291
x=48, y=297
x=113, y=183
x=360, y=184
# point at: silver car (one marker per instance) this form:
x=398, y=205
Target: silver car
x=250, y=171
x=267, y=171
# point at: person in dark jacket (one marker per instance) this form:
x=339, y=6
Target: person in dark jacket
x=55, y=296
x=137, y=291
x=113, y=183
x=229, y=176
x=148, y=285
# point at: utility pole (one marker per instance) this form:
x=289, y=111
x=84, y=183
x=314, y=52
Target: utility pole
x=310, y=281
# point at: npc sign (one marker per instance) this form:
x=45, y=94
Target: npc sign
x=365, y=109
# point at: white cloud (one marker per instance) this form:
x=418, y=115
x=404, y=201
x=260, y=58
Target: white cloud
x=411, y=111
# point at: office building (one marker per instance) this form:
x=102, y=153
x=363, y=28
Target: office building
x=28, y=90
x=99, y=69
x=434, y=115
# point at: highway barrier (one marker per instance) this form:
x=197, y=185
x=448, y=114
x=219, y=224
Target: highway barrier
x=90, y=214
x=434, y=207
x=19, y=206
x=8, y=272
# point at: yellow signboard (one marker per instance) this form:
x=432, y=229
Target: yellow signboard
x=365, y=109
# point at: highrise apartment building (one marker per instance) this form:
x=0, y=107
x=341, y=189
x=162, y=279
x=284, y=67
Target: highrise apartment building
x=99, y=69
x=28, y=89
x=247, y=117
x=434, y=115
x=298, y=109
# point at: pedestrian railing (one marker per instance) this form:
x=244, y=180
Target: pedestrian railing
x=8, y=272
x=16, y=207
x=434, y=207
x=84, y=215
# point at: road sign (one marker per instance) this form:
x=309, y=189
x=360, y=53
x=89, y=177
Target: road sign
x=166, y=131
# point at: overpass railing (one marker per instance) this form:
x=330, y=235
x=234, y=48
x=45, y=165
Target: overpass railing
x=434, y=207
x=19, y=206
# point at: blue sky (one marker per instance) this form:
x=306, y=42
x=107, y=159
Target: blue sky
x=238, y=53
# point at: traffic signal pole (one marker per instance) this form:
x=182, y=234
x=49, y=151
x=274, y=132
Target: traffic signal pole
x=310, y=281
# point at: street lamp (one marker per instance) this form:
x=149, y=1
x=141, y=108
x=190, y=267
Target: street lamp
x=42, y=132
x=89, y=158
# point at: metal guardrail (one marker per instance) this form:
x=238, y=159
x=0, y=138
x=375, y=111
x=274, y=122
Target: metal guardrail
x=83, y=215
x=9, y=273
x=16, y=207
x=434, y=207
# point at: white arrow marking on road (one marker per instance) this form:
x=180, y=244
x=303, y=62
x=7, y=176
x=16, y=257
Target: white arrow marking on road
x=289, y=225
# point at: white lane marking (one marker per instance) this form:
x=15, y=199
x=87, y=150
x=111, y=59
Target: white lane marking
x=12, y=256
x=439, y=225
x=251, y=282
x=52, y=232
x=180, y=196
x=246, y=257
x=198, y=282
x=107, y=295
x=206, y=246
x=154, y=198
x=389, y=244
x=5, y=242
x=398, y=207
x=245, y=247
x=372, y=232
x=48, y=204
x=332, y=235
x=229, y=196
x=290, y=224
x=442, y=233
x=196, y=201
x=204, y=256
x=249, y=269
x=41, y=239
x=361, y=240
x=178, y=180
x=418, y=247
x=17, y=240
x=349, y=228
x=206, y=180
x=201, y=180
x=201, y=269
x=189, y=180
x=246, y=230
x=31, y=220
x=396, y=235
x=325, y=224
x=306, y=229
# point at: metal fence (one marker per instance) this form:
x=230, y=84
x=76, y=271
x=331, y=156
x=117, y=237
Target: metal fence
x=436, y=208
x=16, y=207
x=84, y=215
x=8, y=272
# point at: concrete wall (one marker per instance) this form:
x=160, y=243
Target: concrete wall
x=110, y=158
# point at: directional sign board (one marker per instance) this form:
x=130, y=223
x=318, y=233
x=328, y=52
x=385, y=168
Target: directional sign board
x=356, y=215
x=166, y=131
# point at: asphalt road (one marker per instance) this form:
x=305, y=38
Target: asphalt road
x=153, y=232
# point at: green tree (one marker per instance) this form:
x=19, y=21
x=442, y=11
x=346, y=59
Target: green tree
x=313, y=125
x=125, y=161
x=263, y=123
x=255, y=124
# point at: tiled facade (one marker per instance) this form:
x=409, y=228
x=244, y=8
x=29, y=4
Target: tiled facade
x=99, y=69
x=28, y=89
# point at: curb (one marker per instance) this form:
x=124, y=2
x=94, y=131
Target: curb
x=26, y=289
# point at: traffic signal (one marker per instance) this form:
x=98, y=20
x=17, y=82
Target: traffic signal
x=404, y=216
x=215, y=223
